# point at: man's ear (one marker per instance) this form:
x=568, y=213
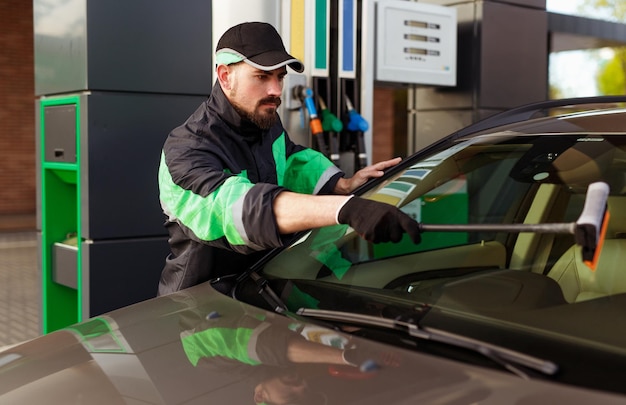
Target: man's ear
x=223, y=75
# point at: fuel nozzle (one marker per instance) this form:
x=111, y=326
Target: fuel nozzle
x=356, y=122
x=334, y=126
x=330, y=122
x=357, y=125
x=305, y=94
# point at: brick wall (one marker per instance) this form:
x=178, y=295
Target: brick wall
x=17, y=109
x=389, y=126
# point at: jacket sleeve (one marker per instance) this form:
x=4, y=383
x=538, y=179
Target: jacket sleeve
x=307, y=170
x=216, y=215
x=249, y=341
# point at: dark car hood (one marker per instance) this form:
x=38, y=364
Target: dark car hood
x=199, y=346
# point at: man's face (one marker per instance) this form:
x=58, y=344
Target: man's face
x=280, y=390
x=255, y=93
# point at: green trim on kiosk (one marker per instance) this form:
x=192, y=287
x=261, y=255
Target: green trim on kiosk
x=60, y=224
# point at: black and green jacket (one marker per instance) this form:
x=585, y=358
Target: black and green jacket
x=218, y=177
x=247, y=339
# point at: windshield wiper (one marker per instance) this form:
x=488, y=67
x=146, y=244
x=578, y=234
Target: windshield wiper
x=266, y=292
x=507, y=358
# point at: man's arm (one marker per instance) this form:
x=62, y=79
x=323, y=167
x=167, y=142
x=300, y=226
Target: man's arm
x=296, y=212
x=373, y=220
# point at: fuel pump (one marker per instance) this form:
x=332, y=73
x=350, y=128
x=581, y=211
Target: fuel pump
x=333, y=126
x=357, y=125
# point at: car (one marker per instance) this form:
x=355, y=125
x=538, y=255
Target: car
x=515, y=294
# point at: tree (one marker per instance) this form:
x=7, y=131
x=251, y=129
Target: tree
x=614, y=9
x=611, y=77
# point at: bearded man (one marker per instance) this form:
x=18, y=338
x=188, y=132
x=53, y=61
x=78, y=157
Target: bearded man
x=233, y=185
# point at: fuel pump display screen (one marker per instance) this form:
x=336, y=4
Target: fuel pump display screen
x=416, y=43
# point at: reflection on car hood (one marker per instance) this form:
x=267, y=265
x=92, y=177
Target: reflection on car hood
x=199, y=346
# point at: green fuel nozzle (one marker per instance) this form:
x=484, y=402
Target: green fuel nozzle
x=330, y=122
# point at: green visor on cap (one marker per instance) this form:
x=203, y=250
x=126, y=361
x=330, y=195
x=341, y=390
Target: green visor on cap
x=227, y=58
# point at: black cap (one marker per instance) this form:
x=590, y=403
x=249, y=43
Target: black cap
x=256, y=43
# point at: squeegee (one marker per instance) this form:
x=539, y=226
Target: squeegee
x=588, y=230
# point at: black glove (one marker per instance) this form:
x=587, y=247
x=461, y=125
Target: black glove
x=378, y=222
x=369, y=359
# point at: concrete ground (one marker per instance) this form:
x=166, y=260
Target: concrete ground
x=20, y=286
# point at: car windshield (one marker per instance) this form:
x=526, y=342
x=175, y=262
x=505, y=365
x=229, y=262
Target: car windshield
x=527, y=291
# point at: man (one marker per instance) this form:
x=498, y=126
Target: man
x=233, y=184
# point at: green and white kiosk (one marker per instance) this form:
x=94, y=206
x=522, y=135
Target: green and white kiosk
x=110, y=86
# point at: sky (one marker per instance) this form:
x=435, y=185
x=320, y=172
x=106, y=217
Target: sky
x=574, y=72
x=562, y=6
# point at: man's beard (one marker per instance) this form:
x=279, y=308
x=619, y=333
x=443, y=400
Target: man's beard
x=261, y=118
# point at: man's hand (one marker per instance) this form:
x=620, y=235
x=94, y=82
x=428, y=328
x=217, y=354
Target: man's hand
x=378, y=222
x=346, y=186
